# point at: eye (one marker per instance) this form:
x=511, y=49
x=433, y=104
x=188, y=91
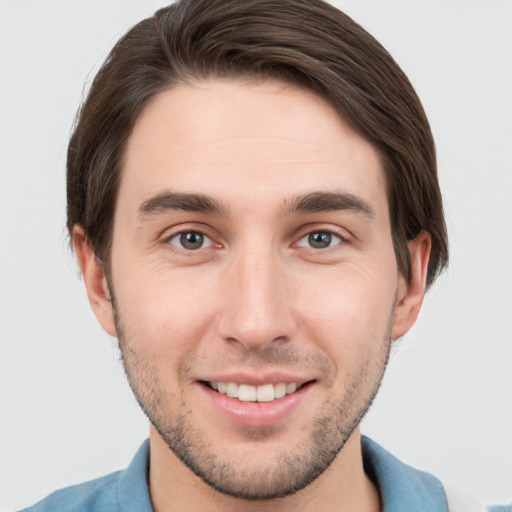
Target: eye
x=190, y=240
x=319, y=240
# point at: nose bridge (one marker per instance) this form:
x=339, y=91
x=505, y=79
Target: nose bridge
x=256, y=307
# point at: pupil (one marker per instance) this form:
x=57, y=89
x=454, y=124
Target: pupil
x=320, y=240
x=191, y=240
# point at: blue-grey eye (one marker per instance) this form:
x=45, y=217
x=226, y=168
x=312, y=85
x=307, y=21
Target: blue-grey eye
x=189, y=240
x=319, y=240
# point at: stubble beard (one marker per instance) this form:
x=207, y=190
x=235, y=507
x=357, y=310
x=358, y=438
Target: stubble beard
x=282, y=474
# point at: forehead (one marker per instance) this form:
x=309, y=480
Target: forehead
x=245, y=141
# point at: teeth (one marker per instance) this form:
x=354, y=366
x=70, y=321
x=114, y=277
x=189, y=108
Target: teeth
x=265, y=393
x=248, y=393
x=291, y=388
x=280, y=390
x=232, y=389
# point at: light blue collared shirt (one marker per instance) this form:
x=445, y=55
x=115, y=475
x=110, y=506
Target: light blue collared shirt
x=402, y=488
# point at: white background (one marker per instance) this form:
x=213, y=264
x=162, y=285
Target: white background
x=446, y=405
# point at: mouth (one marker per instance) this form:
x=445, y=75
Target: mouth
x=249, y=393
x=251, y=402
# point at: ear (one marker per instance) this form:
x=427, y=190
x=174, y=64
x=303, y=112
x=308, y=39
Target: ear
x=410, y=293
x=94, y=280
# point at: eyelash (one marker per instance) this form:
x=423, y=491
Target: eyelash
x=331, y=234
x=187, y=232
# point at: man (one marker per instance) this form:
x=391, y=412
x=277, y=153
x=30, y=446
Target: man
x=253, y=200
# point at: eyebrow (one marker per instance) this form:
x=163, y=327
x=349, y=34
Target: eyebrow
x=329, y=201
x=187, y=202
x=309, y=203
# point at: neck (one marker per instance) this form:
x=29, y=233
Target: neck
x=343, y=486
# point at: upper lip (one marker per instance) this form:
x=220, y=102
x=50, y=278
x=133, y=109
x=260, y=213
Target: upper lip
x=259, y=379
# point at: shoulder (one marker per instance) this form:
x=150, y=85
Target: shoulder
x=403, y=488
x=125, y=491
x=96, y=495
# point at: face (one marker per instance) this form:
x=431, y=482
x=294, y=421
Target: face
x=253, y=280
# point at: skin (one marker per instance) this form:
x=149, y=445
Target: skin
x=257, y=297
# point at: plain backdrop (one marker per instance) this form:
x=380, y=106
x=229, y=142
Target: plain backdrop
x=66, y=411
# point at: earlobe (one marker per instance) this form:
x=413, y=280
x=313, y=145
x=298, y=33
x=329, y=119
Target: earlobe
x=95, y=281
x=410, y=293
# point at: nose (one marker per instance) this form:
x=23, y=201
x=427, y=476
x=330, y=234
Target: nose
x=256, y=303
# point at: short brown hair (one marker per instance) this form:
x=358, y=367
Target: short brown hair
x=308, y=43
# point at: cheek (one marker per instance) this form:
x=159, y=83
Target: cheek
x=165, y=314
x=348, y=312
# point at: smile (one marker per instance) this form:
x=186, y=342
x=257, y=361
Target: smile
x=249, y=393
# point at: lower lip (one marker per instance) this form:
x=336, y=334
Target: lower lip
x=256, y=414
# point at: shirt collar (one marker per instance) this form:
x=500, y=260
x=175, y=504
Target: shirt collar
x=402, y=488
x=133, y=490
